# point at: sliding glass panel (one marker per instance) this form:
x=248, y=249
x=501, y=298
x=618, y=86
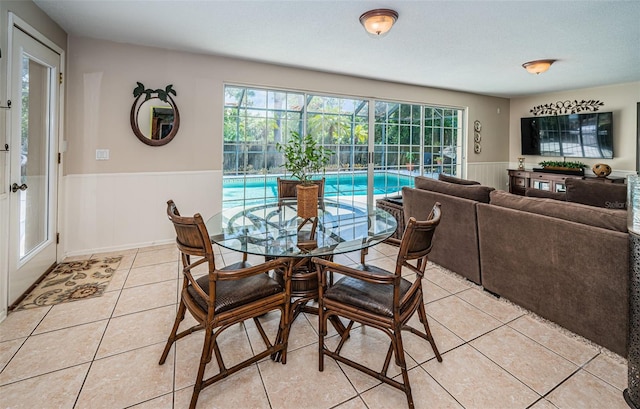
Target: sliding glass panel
x=409, y=140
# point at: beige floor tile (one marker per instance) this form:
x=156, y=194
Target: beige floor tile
x=612, y=371
x=126, y=262
x=57, y=389
x=20, y=324
x=355, y=403
x=54, y=350
x=447, y=280
x=299, y=384
x=433, y=292
x=351, y=258
x=419, y=349
x=155, y=257
x=302, y=333
x=132, y=377
x=535, y=365
x=373, y=254
x=147, y=297
x=366, y=346
x=152, y=274
x=388, y=264
x=234, y=347
x=476, y=382
x=543, y=404
x=586, y=391
x=425, y=391
x=224, y=394
x=461, y=318
x=137, y=330
x=117, y=280
x=491, y=305
x=8, y=350
x=346, y=260
x=331, y=331
x=387, y=249
x=570, y=347
x=74, y=313
x=163, y=402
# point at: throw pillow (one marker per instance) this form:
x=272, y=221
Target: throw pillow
x=452, y=179
x=597, y=193
x=533, y=192
x=478, y=193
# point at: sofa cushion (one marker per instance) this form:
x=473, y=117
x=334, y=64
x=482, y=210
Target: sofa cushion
x=596, y=193
x=593, y=216
x=478, y=193
x=452, y=179
x=533, y=192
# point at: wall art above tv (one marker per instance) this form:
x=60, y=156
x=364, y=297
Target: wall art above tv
x=588, y=135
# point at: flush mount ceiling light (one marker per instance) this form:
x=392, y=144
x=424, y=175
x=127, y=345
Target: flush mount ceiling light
x=538, y=66
x=378, y=22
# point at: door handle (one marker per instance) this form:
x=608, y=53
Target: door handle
x=15, y=187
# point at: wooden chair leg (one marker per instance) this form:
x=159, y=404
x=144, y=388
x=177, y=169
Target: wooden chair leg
x=204, y=359
x=172, y=336
x=422, y=313
x=322, y=331
x=402, y=363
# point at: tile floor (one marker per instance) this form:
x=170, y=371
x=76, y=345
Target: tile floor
x=103, y=353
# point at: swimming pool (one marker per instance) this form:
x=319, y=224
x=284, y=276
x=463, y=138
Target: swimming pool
x=239, y=189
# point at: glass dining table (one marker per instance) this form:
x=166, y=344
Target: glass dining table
x=273, y=230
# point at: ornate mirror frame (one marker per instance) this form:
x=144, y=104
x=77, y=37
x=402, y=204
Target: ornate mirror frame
x=163, y=95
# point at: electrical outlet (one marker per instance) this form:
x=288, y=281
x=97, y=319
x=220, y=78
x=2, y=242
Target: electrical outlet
x=102, y=154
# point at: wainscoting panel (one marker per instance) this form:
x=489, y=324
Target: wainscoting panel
x=108, y=212
x=489, y=174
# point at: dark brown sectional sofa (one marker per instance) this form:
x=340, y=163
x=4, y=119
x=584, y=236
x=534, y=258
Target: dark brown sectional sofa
x=565, y=261
x=455, y=244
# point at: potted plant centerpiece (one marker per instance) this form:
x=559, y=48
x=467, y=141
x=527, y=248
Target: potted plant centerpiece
x=303, y=158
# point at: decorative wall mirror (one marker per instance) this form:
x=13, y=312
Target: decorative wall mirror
x=155, y=118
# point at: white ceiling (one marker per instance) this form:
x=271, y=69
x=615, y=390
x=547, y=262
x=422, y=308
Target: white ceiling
x=475, y=46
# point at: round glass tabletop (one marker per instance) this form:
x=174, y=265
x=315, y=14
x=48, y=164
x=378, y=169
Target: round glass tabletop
x=276, y=230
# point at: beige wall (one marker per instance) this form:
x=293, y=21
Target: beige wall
x=620, y=99
x=102, y=76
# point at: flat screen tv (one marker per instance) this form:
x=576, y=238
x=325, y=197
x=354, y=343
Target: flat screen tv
x=587, y=135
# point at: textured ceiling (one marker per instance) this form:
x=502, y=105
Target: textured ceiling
x=475, y=46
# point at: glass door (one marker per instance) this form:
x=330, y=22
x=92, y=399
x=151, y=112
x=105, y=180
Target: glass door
x=33, y=161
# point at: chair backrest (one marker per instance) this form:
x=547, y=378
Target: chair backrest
x=417, y=239
x=192, y=237
x=287, y=189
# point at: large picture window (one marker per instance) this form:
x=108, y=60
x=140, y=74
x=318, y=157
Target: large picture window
x=409, y=140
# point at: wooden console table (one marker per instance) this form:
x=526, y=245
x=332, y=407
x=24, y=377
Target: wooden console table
x=520, y=180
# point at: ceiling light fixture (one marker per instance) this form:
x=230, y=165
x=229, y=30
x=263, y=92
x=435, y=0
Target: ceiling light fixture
x=538, y=66
x=378, y=22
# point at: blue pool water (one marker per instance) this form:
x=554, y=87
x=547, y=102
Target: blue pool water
x=238, y=189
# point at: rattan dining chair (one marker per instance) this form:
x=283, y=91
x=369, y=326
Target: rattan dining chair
x=225, y=297
x=380, y=299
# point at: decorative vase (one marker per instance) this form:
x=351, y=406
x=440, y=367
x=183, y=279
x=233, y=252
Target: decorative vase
x=601, y=170
x=520, y=163
x=307, y=200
